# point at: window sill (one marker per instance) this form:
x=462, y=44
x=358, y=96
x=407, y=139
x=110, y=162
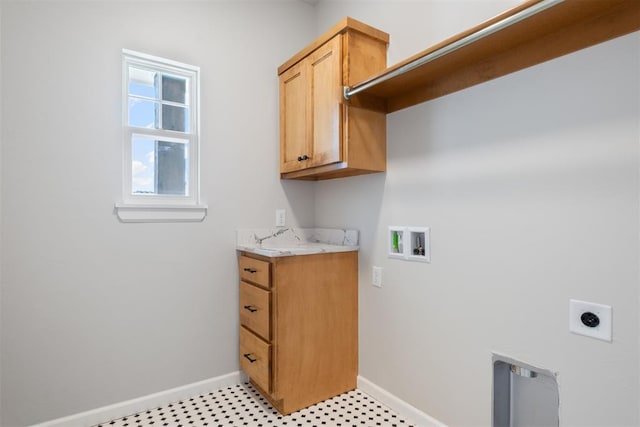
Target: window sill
x=160, y=213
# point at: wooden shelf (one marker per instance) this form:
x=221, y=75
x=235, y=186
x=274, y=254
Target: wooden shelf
x=558, y=30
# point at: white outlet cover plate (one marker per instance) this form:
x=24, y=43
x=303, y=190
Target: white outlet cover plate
x=376, y=277
x=602, y=331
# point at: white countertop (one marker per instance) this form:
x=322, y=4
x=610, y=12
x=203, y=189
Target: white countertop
x=283, y=241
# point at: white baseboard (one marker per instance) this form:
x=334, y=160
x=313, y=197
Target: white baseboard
x=122, y=409
x=398, y=405
x=144, y=403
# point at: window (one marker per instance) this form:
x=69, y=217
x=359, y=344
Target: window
x=161, y=140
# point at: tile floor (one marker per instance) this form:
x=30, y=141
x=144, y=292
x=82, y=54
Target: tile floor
x=242, y=405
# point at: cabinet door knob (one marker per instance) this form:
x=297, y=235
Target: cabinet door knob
x=249, y=358
x=251, y=270
x=301, y=158
x=250, y=308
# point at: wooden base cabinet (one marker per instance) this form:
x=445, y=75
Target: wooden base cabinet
x=322, y=135
x=299, y=328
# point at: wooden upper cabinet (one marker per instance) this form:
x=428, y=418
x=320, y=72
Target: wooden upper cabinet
x=321, y=134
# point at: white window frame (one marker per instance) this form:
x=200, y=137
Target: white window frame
x=161, y=208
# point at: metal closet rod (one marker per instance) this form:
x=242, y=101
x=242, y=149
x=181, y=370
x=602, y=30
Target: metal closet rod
x=471, y=38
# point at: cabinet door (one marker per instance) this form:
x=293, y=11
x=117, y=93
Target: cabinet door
x=326, y=97
x=295, y=118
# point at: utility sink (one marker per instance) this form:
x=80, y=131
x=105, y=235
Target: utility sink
x=277, y=250
x=290, y=241
x=305, y=248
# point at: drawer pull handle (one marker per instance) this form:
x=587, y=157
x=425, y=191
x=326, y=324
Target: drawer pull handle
x=301, y=158
x=251, y=270
x=250, y=308
x=249, y=358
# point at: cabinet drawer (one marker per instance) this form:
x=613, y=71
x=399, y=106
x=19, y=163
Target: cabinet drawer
x=254, y=309
x=254, y=271
x=255, y=358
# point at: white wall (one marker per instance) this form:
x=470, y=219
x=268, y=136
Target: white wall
x=95, y=311
x=530, y=184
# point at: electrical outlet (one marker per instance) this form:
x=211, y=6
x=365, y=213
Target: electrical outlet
x=590, y=319
x=376, y=277
x=280, y=217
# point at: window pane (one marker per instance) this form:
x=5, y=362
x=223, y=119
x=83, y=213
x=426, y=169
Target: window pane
x=172, y=171
x=159, y=167
x=143, y=113
x=174, y=89
x=143, y=83
x=175, y=118
x=143, y=161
